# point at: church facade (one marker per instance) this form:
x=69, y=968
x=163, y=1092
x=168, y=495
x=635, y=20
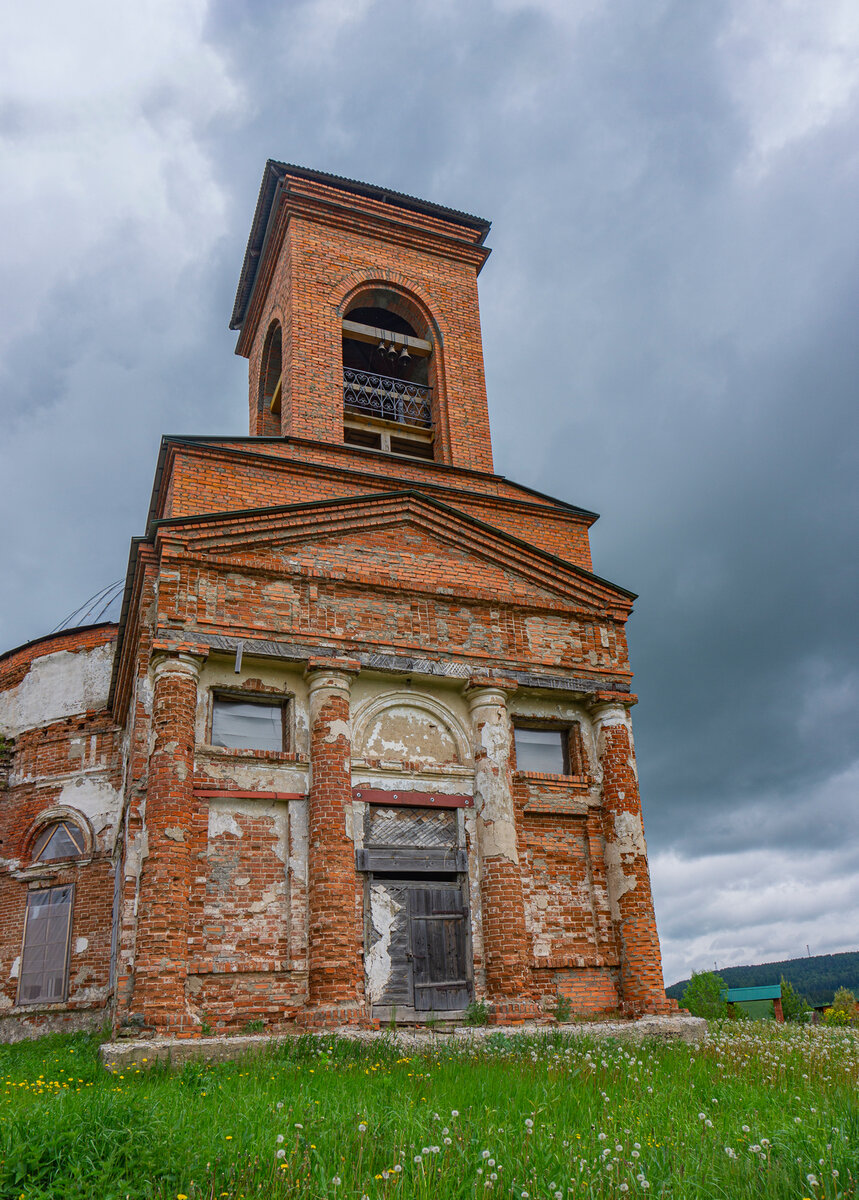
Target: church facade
x=360, y=742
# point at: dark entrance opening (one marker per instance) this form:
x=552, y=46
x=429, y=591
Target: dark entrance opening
x=417, y=943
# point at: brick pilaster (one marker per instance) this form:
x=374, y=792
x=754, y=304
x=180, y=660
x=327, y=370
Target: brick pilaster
x=505, y=938
x=335, y=962
x=630, y=896
x=171, y=817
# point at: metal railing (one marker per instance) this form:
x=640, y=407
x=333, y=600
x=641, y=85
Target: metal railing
x=391, y=399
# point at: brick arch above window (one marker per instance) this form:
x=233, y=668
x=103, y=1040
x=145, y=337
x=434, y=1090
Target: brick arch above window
x=58, y=834
x=391, y=290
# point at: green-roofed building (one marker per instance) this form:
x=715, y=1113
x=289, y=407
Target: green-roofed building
x=759, y=1003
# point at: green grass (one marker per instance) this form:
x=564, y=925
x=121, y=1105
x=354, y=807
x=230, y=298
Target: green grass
x=749, y=1114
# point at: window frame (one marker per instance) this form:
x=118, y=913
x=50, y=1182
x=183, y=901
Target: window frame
x=272, y=700
x=75, y=834
x=572, y=746
x=32, y=893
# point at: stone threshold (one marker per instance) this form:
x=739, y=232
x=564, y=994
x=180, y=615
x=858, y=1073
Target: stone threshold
x=121, y=1055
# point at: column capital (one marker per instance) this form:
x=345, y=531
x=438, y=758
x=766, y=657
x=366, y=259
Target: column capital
x=612, y=710
x=331, y=674
x=483, y=690
x=173, y=662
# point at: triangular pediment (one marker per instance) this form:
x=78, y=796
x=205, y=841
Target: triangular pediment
x=401, y=540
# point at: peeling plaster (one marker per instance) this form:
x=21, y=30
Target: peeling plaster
x=377, y=961
x=223, y=822
x=409, y=733
x=136, y=851
x=96, y=799
x=628, y=845
x=174, y=833
x=57, y=686
x=492, y=796
x=338, y=729
x=81, y=944
x=349, y=821
x=16, y=968
x=298, y=848
x=253, y=774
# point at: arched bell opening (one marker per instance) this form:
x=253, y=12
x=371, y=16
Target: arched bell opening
x=388, y=375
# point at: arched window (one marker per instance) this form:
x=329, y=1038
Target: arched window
x=44, y=977
x=61, y=839
x=387, y=392
x=271, y=377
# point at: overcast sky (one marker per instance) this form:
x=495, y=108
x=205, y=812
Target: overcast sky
x=670, y=331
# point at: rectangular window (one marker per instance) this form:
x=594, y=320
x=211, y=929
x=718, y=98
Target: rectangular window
x=45, y=958
x=545, y=750
x=248, y=724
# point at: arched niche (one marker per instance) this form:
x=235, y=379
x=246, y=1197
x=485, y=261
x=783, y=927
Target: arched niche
x=271, y=381
x=402, y=727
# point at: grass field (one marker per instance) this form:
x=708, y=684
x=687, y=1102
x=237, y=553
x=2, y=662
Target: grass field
x=757, y=1111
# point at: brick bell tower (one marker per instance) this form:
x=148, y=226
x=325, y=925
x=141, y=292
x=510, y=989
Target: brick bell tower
x=376, y=702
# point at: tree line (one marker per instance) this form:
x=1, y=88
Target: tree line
x=817, y=978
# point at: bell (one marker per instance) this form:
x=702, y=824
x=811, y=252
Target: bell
x=381, y=348
x=405, y=357
x=392, y=351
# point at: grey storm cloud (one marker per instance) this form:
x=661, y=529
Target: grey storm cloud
x=669, y=330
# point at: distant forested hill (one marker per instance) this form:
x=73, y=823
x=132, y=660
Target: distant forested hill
x=816, y=978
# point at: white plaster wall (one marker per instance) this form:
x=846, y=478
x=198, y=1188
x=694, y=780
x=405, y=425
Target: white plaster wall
x=57, y=686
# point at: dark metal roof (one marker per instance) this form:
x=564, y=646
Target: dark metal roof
x=272, y=180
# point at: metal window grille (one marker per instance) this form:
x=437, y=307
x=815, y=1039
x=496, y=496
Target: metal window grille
x=390, y=399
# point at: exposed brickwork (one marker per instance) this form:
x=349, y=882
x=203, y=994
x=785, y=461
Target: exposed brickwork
x=333, y=902
x=176, y=835
x=204, y=479
x=317, y=263
x=239, y=897
x=627, y=871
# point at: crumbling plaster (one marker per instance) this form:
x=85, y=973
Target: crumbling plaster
x=377, y=960
x=58, y=685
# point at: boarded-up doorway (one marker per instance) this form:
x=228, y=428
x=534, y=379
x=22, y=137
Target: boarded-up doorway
x=418, y=951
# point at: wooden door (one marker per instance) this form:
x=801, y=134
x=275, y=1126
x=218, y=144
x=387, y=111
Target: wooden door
x=438, y=918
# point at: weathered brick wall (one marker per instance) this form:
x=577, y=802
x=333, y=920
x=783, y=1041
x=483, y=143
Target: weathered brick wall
x=67, y=767
x=248, y=906
x=334, y=894
x=89, y=958
x=361, y=592
x=316, y=263
x=204, y=478
x=626, y=867
x=177, y=834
